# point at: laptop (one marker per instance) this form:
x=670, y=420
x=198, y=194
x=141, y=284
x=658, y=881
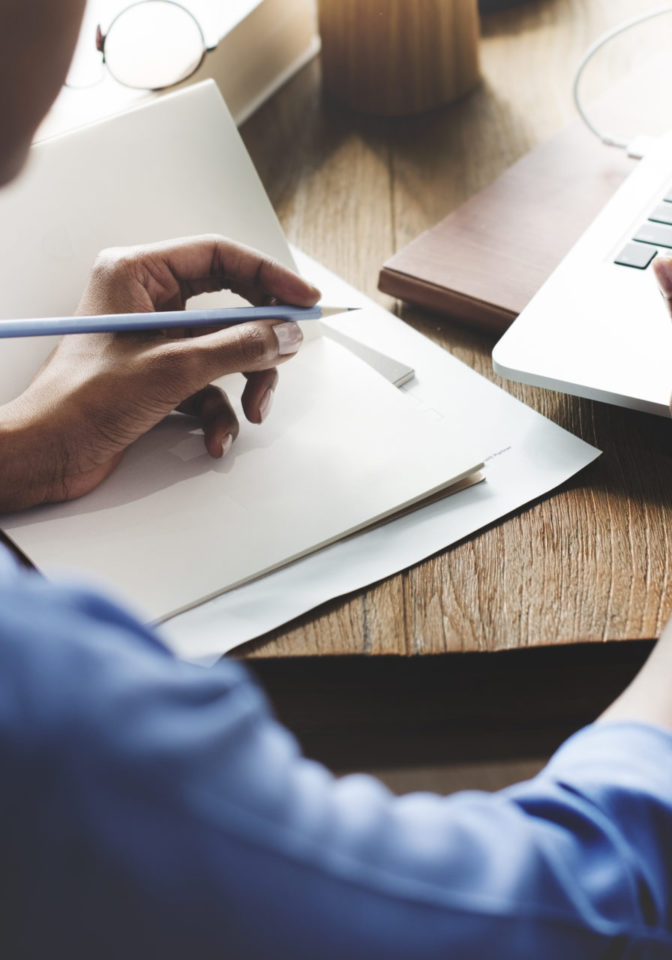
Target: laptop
x=598, y=327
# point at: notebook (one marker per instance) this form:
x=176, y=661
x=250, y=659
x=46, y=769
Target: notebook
x=484, y=262
x=343, y=447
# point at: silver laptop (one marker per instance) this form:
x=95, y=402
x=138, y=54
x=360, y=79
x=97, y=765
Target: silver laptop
x=598, y=327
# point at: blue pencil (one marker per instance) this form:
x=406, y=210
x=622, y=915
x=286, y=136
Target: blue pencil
x=105, y=323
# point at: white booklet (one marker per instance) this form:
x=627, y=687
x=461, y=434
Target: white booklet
x=171, y=527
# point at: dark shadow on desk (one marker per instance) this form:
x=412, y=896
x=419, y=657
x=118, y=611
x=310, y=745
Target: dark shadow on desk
x=356, y=713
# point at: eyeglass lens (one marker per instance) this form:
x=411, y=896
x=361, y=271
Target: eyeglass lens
x=153, y=45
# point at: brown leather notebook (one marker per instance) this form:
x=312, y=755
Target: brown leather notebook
x=483, y=262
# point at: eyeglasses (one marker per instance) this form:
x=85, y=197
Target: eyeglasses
x=152, y=45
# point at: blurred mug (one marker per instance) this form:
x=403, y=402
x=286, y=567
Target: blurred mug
x=395, y=57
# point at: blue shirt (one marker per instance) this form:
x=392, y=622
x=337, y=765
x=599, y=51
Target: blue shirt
x=154, y=809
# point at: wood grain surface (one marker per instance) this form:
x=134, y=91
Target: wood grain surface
x=588, y=563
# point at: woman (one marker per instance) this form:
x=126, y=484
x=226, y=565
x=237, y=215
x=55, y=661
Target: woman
x=153, y=809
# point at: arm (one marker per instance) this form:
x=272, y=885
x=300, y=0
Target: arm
x=153, y=808
x=98, y=393
x=648, y=699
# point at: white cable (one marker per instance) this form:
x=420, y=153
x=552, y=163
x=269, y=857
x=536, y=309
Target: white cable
x=608, y=139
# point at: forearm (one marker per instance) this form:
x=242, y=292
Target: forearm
x=648, y=699
x=174, y=785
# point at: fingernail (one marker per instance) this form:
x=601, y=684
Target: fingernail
x=227, y=443
x=289, y=337
x=662, y=267
x=266, y=404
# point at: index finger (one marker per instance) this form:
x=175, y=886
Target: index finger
x=210, y=262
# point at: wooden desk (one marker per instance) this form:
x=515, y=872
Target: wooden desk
x=588, y=564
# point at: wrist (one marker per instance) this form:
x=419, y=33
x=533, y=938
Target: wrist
x=22, y=462
x=647, y=698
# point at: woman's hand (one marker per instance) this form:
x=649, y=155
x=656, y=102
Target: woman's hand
x=97, y=393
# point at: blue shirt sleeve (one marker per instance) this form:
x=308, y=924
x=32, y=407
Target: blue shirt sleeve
x=151, y=808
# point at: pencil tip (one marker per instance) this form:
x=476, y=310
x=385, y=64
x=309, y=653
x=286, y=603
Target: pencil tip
x=334, y=311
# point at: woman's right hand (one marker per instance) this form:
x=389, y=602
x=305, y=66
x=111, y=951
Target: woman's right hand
x=97, y=393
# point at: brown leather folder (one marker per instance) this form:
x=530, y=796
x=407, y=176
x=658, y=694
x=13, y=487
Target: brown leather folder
x=483, y=262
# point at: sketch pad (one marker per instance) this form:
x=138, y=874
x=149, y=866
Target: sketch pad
x=172, y=527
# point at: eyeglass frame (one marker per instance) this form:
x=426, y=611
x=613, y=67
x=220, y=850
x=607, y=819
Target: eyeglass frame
x=102, y=37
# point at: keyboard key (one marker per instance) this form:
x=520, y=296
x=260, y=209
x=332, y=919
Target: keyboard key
x=654, y=233
x=662, y=213
x=637, y=255
x=668, y=196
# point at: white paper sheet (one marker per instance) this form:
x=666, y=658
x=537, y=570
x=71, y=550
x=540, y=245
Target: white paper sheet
x=172, y=527
x=527, y=455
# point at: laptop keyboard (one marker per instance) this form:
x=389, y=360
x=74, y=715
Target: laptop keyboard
x=654, y=233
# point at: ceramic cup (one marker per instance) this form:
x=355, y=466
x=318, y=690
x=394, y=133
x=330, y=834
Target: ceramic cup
x=396, y=57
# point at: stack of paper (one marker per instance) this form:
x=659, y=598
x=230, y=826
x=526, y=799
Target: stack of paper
x=527, y=456
x=342, y=450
